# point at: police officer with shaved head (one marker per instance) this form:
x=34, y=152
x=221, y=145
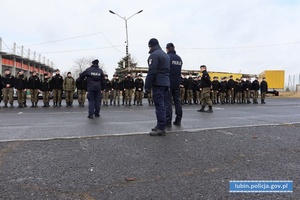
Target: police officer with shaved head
x=158, y=79
x=175, y=79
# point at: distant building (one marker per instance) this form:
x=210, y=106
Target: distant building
x=14, y=62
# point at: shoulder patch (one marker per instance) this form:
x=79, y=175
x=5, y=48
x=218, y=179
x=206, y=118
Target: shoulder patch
x=150, y=61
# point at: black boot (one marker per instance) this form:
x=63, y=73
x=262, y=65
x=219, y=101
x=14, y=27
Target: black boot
x=25, y=104
x=20, y=105
x=54, y=104
x=82, y=104
x=67, y=104
x=141, y=103
x=11, y=105
x=32, y=105
x=59, y=104
x=210, y=109
x=45, y=105
x=202, y=109
x=71, y=104
x=5, y=105
x=35, y=105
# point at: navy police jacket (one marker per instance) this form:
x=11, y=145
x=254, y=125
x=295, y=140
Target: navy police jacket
x=159, y=68
x=95, y=78
x=175, y=69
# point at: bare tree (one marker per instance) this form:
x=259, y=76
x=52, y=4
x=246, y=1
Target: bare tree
x=82, y=64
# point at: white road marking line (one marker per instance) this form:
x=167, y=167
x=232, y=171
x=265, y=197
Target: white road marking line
x=19, y=113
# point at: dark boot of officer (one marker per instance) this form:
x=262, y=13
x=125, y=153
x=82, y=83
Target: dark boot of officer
x=20, y=105
x=32, y=105
x=210, y=110
x=5, y=105
x=71, y=104
x=11, y=105
x=54, y=104
x=202, y=109
x=59, y=104
x=141, y=103
x=24, y=104
x=67, y=104
x=45, y=105
x=35, y=105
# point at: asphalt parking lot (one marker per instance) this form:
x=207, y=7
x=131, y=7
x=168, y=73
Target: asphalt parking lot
x=57, y=153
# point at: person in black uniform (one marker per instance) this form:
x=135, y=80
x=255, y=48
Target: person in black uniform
x=115, y=88
x=158, y=79
x=223, y=90
x=21, y=86
x=81, y=86
x=128, y=88
x=95, y=84
x=57, y=86
x=215, y=90
x=247, y=88
x=230, y=90
x=34, y=86
x=175, y=81
x=255, y=88
x=46, y=89
x=189, y=89
x=263, y=90
x=8, y=82
x=205, y=89
x=139, y=93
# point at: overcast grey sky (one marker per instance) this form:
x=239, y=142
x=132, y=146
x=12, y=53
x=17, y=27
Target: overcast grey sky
x=246, y=36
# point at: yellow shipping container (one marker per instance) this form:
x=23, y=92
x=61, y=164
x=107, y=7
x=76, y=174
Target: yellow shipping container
x=274, y=78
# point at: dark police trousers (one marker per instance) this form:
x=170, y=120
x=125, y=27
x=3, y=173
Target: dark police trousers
x=175, y=93
x=159, y=96
x=94, y=102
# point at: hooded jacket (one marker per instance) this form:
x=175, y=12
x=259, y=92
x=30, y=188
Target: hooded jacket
x=95, y=78
x=159, y=68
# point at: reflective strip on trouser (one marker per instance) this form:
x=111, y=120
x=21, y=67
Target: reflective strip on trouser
x=206, y=97
x=159, y=96
x=8, y=95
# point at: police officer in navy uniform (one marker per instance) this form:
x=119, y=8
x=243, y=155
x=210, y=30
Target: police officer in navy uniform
x=158, y=79
x=95, y=83
x=175, y=80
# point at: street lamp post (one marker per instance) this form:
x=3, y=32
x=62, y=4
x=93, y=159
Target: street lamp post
x=126, y=19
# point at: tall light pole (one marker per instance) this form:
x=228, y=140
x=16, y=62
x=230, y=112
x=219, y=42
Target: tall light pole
x=126, y=19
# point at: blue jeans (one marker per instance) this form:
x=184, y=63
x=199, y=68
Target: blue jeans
x=94, y=102
x=159, y=96
x=175, y=93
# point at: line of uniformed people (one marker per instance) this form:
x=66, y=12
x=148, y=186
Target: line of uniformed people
x=55, y=84
x=127, y=88
x=226, y=91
